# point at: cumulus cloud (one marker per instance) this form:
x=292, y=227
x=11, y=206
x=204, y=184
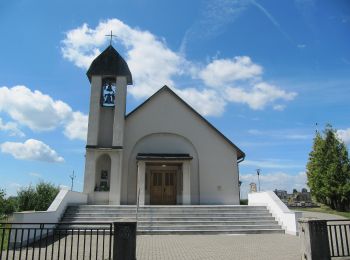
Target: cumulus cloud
x=206, y=102
x=76, y=128
x=293, y=134
x=35, y=174
x=31, y=150
x=148, y=57
x=259, y=96
x=221, y=72
x=272, y=181
x=272, y=164
x=154, y=64
x=11, y=128
x=344, y=135
x=21, y=104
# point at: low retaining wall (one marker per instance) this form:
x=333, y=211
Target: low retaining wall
x=53, y=214
x=285, y=217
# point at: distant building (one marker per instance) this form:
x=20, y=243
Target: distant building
x=282, y=194
x=253, y=187
x=296, y=199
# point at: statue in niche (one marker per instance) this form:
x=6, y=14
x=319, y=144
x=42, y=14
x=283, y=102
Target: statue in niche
x=108, y=94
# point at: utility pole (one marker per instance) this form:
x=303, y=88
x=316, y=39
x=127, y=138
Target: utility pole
x=72, y=177
x=258, y=173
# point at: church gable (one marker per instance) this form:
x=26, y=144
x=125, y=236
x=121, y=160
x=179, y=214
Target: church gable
x=166, y=103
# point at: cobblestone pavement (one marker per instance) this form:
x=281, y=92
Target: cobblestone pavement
x=217, y=247
x=179, y=247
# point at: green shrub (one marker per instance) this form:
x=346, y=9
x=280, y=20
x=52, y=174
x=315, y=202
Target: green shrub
x=244, y=202
x=26, y=198
x=38, y=198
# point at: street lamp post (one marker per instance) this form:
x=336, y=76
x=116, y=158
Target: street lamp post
x=258, y=173
x=72, y=177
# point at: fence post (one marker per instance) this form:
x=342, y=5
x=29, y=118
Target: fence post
x=124, y=241
x=314, y=239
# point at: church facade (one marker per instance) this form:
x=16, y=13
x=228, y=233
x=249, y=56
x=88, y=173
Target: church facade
x=161, y=153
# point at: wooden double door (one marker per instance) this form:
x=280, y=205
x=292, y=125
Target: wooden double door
x=163, y=188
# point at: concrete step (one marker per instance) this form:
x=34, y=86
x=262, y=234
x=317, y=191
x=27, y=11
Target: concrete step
x=171, y=219
x=207, y=227
x=202, y=219
x=96, y=230
x=211, y=232
x=168, y=214
x=194, y=223
x=166, y=208
x=165, y=212
x=169, y=206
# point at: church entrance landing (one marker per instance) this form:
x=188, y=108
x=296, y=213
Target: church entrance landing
x=163, y=179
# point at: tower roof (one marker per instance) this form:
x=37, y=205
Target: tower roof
x=110, y=63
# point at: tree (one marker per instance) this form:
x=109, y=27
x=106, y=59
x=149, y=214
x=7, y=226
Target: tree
x=26, y=198
x=38, y=198
x=11, y=205
x=2, y=203
x=45, y=194
x=328, y=170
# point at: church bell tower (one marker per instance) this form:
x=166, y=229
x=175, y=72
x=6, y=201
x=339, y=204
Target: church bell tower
x=109, y=76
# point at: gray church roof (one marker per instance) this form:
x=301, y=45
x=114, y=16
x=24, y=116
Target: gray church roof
x=109, y=63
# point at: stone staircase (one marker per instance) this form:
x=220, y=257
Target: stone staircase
x=180, y=219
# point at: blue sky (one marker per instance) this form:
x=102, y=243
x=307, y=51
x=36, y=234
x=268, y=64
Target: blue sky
x=263, y=72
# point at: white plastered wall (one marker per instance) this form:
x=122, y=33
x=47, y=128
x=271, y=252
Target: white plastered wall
x=102, y=197
x=217, y=177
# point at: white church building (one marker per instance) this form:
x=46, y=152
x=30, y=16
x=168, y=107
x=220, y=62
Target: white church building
x=161, y=153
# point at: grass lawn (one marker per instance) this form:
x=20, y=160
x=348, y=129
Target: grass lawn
x=4, y=234
x=324, y=209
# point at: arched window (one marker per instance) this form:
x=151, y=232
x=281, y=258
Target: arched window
x=103, y=172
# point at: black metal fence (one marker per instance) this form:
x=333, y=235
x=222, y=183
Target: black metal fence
x=56, y=241
x=339, y=237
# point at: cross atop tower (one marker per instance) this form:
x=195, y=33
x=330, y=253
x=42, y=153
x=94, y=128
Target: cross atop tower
x=110, y=35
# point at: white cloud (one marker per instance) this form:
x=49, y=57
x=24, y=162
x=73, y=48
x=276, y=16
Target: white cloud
x=279, y=107
x=221, y=72
x=39, y=112
x=31, y=150
x=35, y=174
x=272, y=164
x=22, y=104
x=344, y=135
x=153, y=64
x=272, y=181
x=293, y=134
x=12, y=128
x=299, y=136
x=214, y=18
x=76, y=128
x=259, y=96
x=206, y=102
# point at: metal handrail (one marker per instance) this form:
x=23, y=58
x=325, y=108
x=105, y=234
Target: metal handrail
x=137, y=206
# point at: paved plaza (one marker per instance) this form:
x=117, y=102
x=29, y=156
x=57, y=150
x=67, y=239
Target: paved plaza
x=176, y=247
x=205, y=247
x=184, y=247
